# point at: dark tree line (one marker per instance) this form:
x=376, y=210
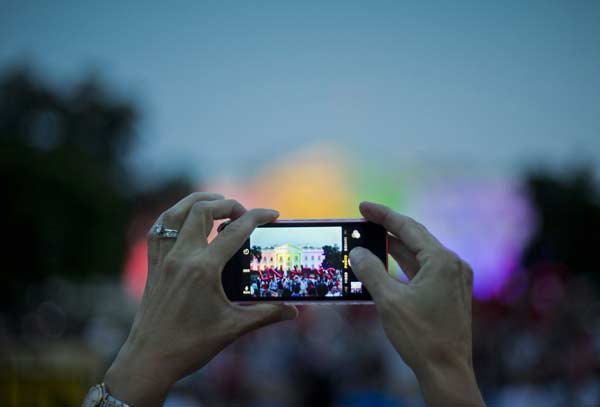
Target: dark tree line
x=332, y=257
x=568, y=207
x=68, y=196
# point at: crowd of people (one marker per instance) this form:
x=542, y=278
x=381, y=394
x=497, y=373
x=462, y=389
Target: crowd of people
x=536, y=345
x=304, y=282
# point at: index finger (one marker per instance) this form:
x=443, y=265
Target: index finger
x=199, y=223
x=414, y=235
x=229, y=241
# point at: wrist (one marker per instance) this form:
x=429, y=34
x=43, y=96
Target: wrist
x=137, y=378
x=449, y=384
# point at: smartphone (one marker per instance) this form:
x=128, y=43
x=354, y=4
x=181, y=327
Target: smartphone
x=303, y=261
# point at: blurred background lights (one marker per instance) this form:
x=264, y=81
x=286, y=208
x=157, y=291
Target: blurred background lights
x=487, y=222
x=325, y=181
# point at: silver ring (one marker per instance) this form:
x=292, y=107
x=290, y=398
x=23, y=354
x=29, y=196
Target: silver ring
x=164, y=233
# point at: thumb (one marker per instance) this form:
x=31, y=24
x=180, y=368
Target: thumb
x=259, y=315
x=370, y=270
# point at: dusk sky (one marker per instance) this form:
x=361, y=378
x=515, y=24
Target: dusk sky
x=224, y=86
x=316, y=236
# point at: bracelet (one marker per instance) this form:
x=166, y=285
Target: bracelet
x=98, y=396
x=110, y=401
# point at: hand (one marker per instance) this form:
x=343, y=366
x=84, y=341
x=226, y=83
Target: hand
x=184, y=318
x=428, y=320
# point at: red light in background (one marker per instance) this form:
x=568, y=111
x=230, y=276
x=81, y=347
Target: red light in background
x=136, y=269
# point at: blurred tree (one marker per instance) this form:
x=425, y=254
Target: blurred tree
x=333, y=257
x=256, y=251
x=62, y=168
x=569, y=215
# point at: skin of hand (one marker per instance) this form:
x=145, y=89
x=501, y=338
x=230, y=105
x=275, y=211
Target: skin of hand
x=184, y=318
x=428, y=319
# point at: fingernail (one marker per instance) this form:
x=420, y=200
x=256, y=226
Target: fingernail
x=273, y=212
x=357, y=254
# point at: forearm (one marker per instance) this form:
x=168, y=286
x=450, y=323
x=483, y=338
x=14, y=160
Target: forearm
x=137, y=380
x=447, y=385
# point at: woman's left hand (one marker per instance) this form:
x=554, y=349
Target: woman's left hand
x=184, y=318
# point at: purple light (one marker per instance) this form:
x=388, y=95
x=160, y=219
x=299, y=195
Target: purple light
x=486, y=223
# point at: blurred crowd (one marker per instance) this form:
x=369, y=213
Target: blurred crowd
x=538, y=346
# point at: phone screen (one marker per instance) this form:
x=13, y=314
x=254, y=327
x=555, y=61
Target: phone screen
x=302, y=261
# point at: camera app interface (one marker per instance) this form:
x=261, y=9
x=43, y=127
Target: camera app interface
x=302, y=261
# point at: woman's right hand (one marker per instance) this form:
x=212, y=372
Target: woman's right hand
x=428, y=319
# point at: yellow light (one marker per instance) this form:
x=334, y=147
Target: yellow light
x=310, y=183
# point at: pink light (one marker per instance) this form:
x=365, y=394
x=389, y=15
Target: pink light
x=136, y=269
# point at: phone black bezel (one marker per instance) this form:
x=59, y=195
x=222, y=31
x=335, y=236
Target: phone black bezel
x=377, y=243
